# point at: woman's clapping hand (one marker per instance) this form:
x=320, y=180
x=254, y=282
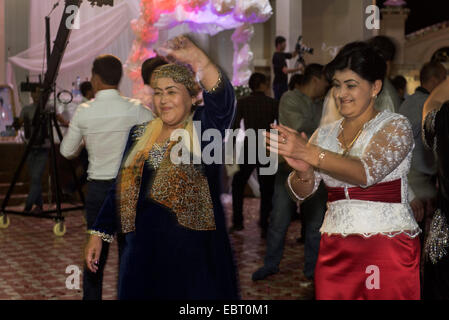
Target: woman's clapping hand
x=294, y=147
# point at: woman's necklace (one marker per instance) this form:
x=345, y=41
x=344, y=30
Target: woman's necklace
x=347, y=148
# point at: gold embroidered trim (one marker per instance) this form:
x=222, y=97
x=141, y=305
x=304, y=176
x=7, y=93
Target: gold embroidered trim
x=184, y=189
x=179, y=74
x=105, y=237
x=129, y=181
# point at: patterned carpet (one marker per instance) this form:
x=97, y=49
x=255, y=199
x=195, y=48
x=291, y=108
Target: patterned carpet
x=34, y=261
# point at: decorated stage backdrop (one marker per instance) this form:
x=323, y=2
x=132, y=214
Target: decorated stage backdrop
x=132, y=29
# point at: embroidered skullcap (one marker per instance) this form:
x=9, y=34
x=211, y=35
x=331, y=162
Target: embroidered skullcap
x=179, y=74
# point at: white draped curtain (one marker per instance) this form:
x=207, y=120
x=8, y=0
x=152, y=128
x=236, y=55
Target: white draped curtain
x=108, y=30
x=104, y=30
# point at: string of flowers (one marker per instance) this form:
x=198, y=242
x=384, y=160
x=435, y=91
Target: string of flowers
x=202, y=16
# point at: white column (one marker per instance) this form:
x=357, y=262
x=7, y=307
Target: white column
x=2, y=43
x=329, y=24
x=393, y=26
x=289, y=21
x=367, y=33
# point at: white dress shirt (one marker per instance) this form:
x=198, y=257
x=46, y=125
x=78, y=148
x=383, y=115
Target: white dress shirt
x=103, y=125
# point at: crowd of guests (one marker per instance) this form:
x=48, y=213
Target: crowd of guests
x=363, y=162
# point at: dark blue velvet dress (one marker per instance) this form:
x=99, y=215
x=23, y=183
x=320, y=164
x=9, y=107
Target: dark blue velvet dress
x=162, y=259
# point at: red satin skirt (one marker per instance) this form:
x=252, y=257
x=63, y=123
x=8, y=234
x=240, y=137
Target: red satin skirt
x=375, y=268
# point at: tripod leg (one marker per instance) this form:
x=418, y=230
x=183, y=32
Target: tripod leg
x=21, y=164
x=54, y=167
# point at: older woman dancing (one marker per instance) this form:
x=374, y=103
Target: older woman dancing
x=369, y=247
x=170, y=211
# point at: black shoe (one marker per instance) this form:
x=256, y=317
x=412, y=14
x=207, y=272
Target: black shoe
x=236, y=228
x=37, y=210
x=264, y=272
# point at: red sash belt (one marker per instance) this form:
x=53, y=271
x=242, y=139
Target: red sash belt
x=382, y=192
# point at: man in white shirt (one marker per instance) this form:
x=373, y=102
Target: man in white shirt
x=102, y=125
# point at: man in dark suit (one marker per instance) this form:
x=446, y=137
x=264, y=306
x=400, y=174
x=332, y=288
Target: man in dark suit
x=258, y=111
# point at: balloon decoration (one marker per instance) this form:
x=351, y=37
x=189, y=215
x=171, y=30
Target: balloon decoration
x=199, y=16
x=222, y=7
x=242, y=54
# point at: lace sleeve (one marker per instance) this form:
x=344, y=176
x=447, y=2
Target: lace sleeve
x=387, y=149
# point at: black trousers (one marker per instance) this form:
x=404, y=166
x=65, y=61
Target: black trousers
x=279, y=89
x=266, y=186
x=97, y=191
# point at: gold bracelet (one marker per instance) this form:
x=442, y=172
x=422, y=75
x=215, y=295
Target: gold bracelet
x=301, y=179
x=320, y=158
x=216, y=86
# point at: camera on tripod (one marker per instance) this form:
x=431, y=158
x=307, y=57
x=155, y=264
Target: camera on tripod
x=31, y=86
x=301, y=49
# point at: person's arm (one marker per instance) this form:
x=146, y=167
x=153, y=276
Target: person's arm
x=436, y=99
x=183, y=50
x=105, y=225
x=104, y=228
x=432, y=105
x=62, y=121
x=386, y=150
x=72, y=143
x=428, y=130
x=218, y=92
x=304, y=181
x=219, y=107
x=287, y=70
x=20, y=119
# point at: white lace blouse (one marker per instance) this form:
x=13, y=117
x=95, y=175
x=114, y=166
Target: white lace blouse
x=385, y=149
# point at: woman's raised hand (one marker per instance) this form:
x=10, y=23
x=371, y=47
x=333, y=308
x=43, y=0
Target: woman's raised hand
x=183, y=50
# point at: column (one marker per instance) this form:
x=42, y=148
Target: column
x=2, y=43
x=289, y=21
x=393, y=25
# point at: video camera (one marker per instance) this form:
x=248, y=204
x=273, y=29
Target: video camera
x=31, y=86
x=101, y=3
x=301, y=50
